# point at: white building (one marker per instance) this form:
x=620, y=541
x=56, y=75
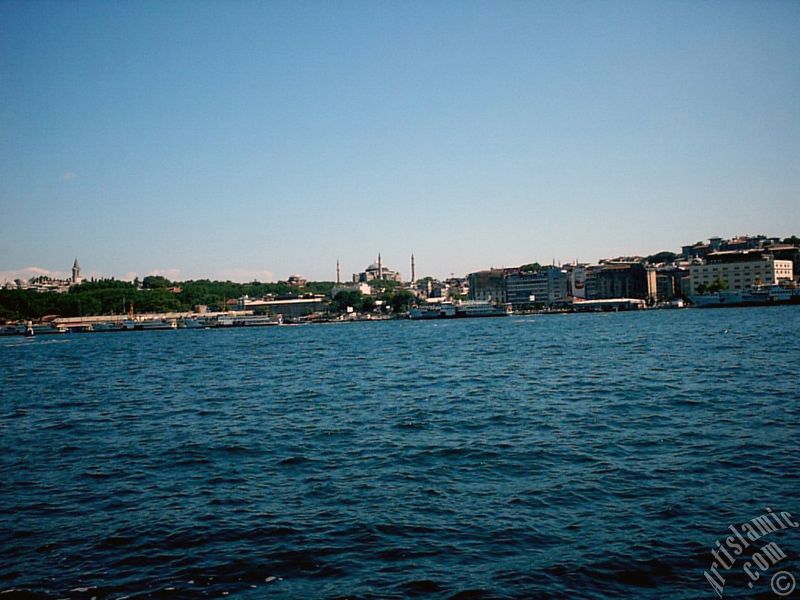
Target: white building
x=364, y=288
x=738, y=270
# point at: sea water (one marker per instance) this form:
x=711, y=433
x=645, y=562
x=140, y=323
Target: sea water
x=581, y=455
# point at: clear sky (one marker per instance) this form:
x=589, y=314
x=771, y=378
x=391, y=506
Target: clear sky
x=250, y=140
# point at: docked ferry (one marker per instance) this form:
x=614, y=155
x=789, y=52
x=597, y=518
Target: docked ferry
x=249, y=320
x=450, y=310
x=756, y=295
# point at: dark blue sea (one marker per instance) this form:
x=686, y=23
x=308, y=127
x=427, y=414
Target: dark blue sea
x=559, y=456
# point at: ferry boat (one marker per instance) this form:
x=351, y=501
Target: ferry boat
x=155, y=324
x=756, y=295
x=248, y=320
x=196, y=322
x=450, y=310
x=103, y=327
x=481, y=309
x=146, y=325
x=46, y=329
x=442, y=310
x=29, y=329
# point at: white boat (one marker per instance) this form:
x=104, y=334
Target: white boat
x=440, y=310
x=467, y=309
x=195, y=323
x=480, y=309
x=155, y=324
x=249, y=320
x=13, y=330
x=104, y=327
x=146, y=325
x=47, y=329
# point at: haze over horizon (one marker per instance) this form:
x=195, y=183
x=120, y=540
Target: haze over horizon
x=251, y=140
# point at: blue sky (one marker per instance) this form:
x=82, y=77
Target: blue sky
x=250, y=140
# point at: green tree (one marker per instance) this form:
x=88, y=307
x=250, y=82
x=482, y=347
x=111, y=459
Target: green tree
x=401, y=300
x=717, y=285
x=661, y=257
x=531, y=268
x=155, y=281
x=348, y=298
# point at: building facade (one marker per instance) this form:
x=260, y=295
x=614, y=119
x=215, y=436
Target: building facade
x=670, y=282
x=487, y=286
x=738, y=270
x=527, y=288
x=625, y=280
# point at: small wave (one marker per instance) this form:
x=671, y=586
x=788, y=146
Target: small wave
x=419, y=587
x=295, y=460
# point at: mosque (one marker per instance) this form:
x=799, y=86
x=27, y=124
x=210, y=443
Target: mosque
x=376, y=271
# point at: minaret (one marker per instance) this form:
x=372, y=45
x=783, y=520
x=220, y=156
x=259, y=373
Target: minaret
x=76, y=272
x=413, y=270
x=380, y=267
x=337, y=272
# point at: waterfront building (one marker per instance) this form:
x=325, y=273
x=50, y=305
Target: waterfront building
x=247, y=303
x=576, y=279
x=487, y=286
x=590, y=274
x=547, y=286
x=288, y=307
x=624, y=280
x=671, y=282
x=738, y=270
x=296, y=307
x=788, y=252
x=610, y=304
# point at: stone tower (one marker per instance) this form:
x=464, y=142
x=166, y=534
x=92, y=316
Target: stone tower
x=76, y=272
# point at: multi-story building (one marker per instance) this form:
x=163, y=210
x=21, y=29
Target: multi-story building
x=787, y=252
x=288, y=307
x=670, y=282
x=738, y=270
x=546, y=286
x=718, y=244
x=625, y=280
x=576, y=280
x=488, y=286
x=457, y=287
x=590, y=282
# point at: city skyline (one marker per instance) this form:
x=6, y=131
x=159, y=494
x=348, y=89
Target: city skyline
x=256, y=141
x=341, y=276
